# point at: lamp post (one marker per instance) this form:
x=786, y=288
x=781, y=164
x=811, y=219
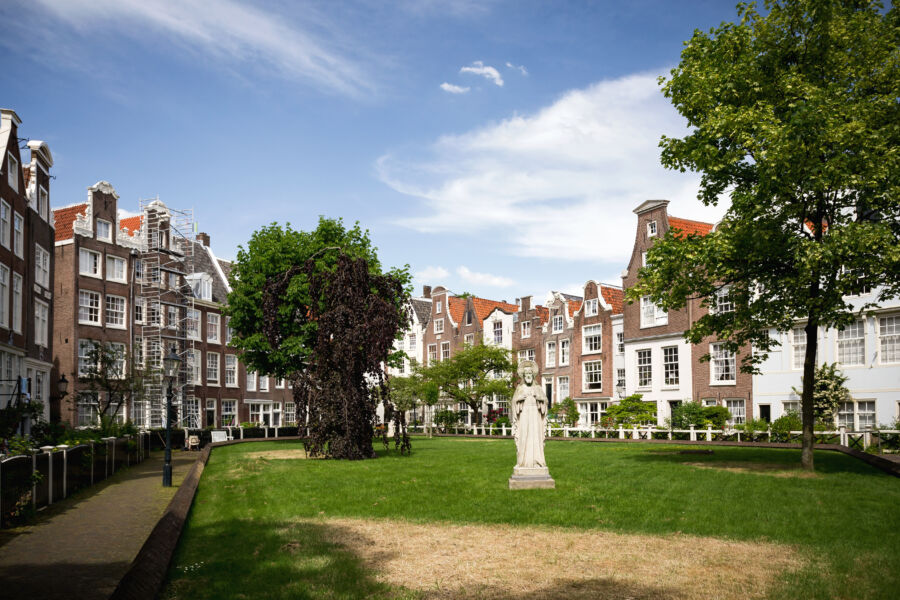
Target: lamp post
x=170, y=368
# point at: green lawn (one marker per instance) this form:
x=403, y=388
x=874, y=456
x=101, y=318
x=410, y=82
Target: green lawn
x=845, y=521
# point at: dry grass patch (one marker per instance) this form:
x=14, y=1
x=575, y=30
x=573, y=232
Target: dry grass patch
x=503, y=561
x=279, y=454
x=773, y=469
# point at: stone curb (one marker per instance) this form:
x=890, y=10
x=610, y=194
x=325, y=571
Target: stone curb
x=147, y=573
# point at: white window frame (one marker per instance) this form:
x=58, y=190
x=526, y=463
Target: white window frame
x=851, y=340
x=652, y=315
x=192, y=315
x=550, y=355
x=18, y=285
x=560, y=381
x=591, y=307
x=592, y=379
x=721, y=302
x=737, y=409
x=564, y=352
x=12, y=171
x=263, y=383
x=112, y=265
x=889, y=339
x=194, y=360
x=644, y=364
x=231, y=366
x=498, y=332
x=89, y=295
x=43, y=202
x=42, y=266
x=671, y=368
x=41, y=323
x=85, y=346
x=588, y=337
x=469, y=339
x=526, y=329
x=620, y=342
x=527, y=354
x=721, y=361
x=557, y=324
x=213, y=329
x=412, y=343
x=229, y=413
x=111, y=323
x=652, y=229
x=445, y=351
x=438, y=307
x=109, y=229
x=4, y=296
x=5, y=224
x=432, y=353
x=439, y=326
x=18, y=235
x=212, y=360
x=251, y=381
x=89, y=263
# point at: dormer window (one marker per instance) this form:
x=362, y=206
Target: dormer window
x=651, y=229
x=591, y=307
x=201, y=285
x=12, y=171
x=438, y=307
x=557, y=324
x=468, y=317
x=104, y=230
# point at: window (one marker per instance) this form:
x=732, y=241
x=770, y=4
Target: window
x=593, y=375
x=212, y=368
x=411, y=343
x=857, y=416
x=139, y=269
x=651, y=229
x=210, y=412
x=526, y=329
x=851, y=344
x=117, y=369
x=89, y=262
x=173, y=280
x=279, y=383
x=4, y=296
x=41, y=266
x=652, y=315
x=41, y=322
x=562, y=384
x=498, y=332
x=889, y=339
x=18, y=235
x=445, y=350
x=591, y=307
x=201, y=285
x=526, y=354
x=43, y=202
x=12, y=171
x=139, y=310
x=115, y=312
x=290, y=413
x=4, y=223
x=104, y=230
x=229, y=332
x=865, y=412
x=620, y=378
x=229, y=413
x=643, y=259
x=192, y=360
x=432, y=353
x=263, y=383
x=438, y=307
x=620, y=343
x=591, y=336
x=644, y=369
x=670, y=366
x=17, y=305
x=550, y=356
x=86, y=361
x=439, y=326
x=557, y=324
x=721, y=301
x=138, y=351
x=231, y=370
x=798, y=345
x=722, y=364
x=192, y=324
x=116, y=269
x=87, y=409
x=738, y=409
x=89, y=307
x=845, y=415
x=563, y=352
x=172, y=317
x=213, y=322
x=468, y=317
x=469, y=339
x=251, y=381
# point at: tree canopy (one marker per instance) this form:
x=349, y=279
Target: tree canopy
x=794, y=117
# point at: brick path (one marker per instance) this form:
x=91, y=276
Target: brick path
x=82, y=546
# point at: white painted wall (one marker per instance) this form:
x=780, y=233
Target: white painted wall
x=656, y=391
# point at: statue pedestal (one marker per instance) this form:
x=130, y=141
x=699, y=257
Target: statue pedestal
x=531, y=478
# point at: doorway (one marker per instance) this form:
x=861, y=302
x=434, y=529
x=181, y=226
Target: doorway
x=765, y=412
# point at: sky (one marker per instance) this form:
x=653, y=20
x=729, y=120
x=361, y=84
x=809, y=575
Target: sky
x=497, y=148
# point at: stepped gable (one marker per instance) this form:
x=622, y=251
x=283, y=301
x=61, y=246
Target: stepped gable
x=613, y=296
x=65, y=218
x=689, y=227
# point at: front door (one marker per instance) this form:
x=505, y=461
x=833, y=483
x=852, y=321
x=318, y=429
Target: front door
x=548, y=388
x=765, y=413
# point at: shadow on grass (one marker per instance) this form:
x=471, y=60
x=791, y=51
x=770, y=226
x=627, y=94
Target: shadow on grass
x=61, y=580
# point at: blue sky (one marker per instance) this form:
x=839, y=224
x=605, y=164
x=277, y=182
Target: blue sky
x=496, y=147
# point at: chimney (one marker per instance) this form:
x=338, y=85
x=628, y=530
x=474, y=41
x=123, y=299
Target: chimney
x=525, y=303
x=426, y=291
x=203, y=238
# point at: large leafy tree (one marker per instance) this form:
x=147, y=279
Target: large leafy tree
x=472, y=375
x=794, y=116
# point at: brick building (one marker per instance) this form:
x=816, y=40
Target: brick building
x=26, y=268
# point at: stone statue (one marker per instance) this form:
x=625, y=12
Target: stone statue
x=529, y=409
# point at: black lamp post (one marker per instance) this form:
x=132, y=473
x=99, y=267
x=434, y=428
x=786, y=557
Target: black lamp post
x=170, y=368
x=62, y=386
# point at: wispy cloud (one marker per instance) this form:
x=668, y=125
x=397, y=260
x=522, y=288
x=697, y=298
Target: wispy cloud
x=520, y=68
x=454, y=89
x=483, y=279
x=227, y=30
x=486, y=71
x=557, y=184
x=431, y=274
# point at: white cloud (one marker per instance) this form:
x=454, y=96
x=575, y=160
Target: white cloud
x=520, y=68
x=485, y=279
x=224, y=29
x=486, y=71
x=557, y=184
x=454, y=89
x=431, y=274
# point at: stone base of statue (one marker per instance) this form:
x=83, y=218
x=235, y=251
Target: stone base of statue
x=531, y=478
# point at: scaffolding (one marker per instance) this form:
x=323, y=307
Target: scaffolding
x=165, y=303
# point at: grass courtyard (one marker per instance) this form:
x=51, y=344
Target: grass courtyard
x=625, y=521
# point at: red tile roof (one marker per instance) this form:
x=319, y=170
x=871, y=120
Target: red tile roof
x=615, y=297
x=574, y=305
x=131, y=225
x=457, y=308
x=690, y=227
x=543, y=312
x=64, y=218
x=485, y=307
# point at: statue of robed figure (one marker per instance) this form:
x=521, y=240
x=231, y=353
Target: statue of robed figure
x=529, y=409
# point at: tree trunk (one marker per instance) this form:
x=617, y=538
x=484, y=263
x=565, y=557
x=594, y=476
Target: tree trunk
x=806, y=404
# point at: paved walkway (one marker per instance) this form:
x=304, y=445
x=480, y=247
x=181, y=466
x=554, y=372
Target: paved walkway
x=81, y=547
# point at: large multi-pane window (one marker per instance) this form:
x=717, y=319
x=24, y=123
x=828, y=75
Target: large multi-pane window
x=290, y=413
x=192, y=324
x=644, y=368
x=620, y=343
x=550, y=356
x=18, y=235
x=229, y=413
x=857, y=416
x=5, y=212
x=722, y=364
x=445, y=350
x=670, y=366
x=89, y=307
x=557, y=324
x=86, y=359
x=115, y=311
x=652, y=315
x=798, y=347
x=432, y=353
x=738, y=409
x=593, y=375
x=592, y=338
x=498, y=332
x=192, y=359
x=563, y=352
x=41, y=266
x=721, y=301
x=889, y=339
x=230, y=370
x=526, y=354
x=212, y=368
x=264, y=383
x=41, y=322
x=620, y=378
x=251, y=381
x=213, y=322
x=411, y=344
x=851, y=344
x=89, y=262
x=17, y=303
x=117, y=369
x=116, y=269
x=439, y=326
x=88, y=412
x=563, y=387
x=104, y=230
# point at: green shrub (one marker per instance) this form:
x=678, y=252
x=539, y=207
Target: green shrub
x=686, y=414
x=716, y=416
x=447, y=419
x=632, y=411
x=564, y=413
x=784, y=424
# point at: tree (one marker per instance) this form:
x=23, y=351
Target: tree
x=113, y=378
x=828, y=393
x=473, y=374
x=794, y=116
x=565, y=412
x=316, y=308
x=632, y=410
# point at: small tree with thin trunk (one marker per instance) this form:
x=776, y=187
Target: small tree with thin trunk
x=113, y=378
